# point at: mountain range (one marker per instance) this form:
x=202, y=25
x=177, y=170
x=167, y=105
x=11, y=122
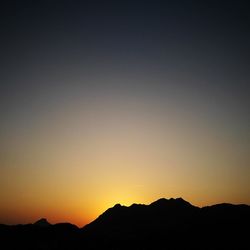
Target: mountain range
x=164, y=224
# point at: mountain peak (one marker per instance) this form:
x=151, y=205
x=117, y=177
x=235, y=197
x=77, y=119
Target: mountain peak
x=118, y=205
x=180, y=202
x=42, y=223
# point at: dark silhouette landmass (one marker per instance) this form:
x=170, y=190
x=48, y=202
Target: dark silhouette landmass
x=164, y=224
x=42, y=223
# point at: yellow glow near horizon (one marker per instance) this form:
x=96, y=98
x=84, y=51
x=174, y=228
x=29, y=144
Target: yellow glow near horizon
x=79, y=161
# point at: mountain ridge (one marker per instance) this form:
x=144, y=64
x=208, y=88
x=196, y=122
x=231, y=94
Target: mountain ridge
x=119, y=205
x=162, y=224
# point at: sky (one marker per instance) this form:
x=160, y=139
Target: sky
x=105, y=102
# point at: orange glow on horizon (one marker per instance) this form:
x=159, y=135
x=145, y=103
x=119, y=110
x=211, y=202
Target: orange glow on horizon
x=77, y=163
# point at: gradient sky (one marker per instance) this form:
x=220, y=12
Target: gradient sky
x=105, y=102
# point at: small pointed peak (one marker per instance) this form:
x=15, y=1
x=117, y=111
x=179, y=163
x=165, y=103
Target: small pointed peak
x=181, y=200
x=118, y=205
x=160, y=201
x=42, y=223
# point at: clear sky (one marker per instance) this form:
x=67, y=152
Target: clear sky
x=105, y=102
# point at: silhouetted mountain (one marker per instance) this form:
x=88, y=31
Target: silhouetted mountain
x=169, y=224
x=164, y=224
x=40, y=235
x=42, y=223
